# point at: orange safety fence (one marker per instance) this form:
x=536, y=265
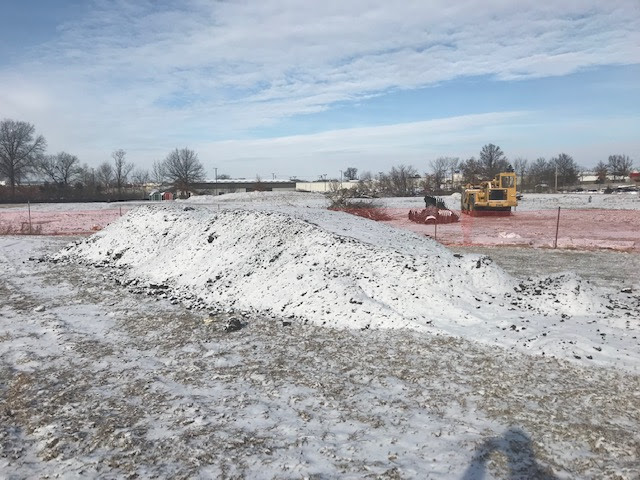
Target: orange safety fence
x=586, y=229
x=74, y=222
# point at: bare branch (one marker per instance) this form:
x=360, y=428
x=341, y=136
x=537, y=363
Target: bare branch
x=182, y=168
x=20, y=148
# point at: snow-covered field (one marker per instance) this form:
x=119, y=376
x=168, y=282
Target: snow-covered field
x=366, y=351
x=540, y=201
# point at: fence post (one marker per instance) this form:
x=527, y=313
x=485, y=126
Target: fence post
x=435, y=229
x=120, y=210
x=555, y=244
x=29, y=208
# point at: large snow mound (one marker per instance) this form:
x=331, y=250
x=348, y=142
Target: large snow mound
x=356, y=274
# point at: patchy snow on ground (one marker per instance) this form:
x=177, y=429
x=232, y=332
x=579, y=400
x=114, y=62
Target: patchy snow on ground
x=579, y=201
x=365, y=351
x=334, y=269
x=603, y=268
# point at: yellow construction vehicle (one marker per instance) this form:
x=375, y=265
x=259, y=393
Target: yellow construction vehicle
x=493, y=197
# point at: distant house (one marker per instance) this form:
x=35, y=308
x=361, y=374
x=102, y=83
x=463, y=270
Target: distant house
x=157, y=196
x=591, y=178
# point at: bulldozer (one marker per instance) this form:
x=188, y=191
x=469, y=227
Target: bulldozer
x=491, y=198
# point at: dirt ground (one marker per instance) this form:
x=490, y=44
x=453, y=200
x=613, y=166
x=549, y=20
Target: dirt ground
x=613, y=225
x=20, y=221
x=578, y=229
x=149, y=389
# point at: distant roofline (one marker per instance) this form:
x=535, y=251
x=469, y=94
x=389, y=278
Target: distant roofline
x=246, y=180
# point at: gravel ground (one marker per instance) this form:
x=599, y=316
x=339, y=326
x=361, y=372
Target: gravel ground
x=149, y=389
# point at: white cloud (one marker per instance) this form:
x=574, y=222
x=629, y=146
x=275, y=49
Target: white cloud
x=367, y=148
x=146, y=78
x=519, y=133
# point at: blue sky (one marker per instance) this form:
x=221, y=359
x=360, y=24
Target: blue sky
x=308, y=88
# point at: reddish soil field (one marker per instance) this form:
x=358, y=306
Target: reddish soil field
x=75, y=222
x=592, y=229
x=578, y=229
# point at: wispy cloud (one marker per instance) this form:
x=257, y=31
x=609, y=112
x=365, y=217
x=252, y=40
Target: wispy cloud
x=374, y=149
x=366, y=148
x=147, y=75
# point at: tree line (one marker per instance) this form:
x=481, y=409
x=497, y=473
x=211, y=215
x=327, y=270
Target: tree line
x=450, y=173
x=62, y=177
x=560, y=171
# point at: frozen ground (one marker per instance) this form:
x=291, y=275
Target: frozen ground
x=106, y=383
x=115, y=361
x=328, y=268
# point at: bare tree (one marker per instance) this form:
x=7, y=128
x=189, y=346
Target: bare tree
x=454, y=167
x=401, y=181
x=258, y=186
x=366, y=184
x=61, y=168
x=492, y=160
x=87, y=177
x=182, y=168
x=104, y=175
x=158, y=173
x=366, y=176
x=121, y=169
x=541, y=172
x=601, y=171
x=567, y=169
x=472, y=170
x=351, y=173
x=521, y=167
x=20, y=147
x=620, y=165
x=140, y=177
x=439, y=168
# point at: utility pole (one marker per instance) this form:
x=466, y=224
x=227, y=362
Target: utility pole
x=216, y=189
x=273, y=176
x=340, y=178
x=556, y=177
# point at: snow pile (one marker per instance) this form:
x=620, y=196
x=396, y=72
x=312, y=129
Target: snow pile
x=324, y=267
